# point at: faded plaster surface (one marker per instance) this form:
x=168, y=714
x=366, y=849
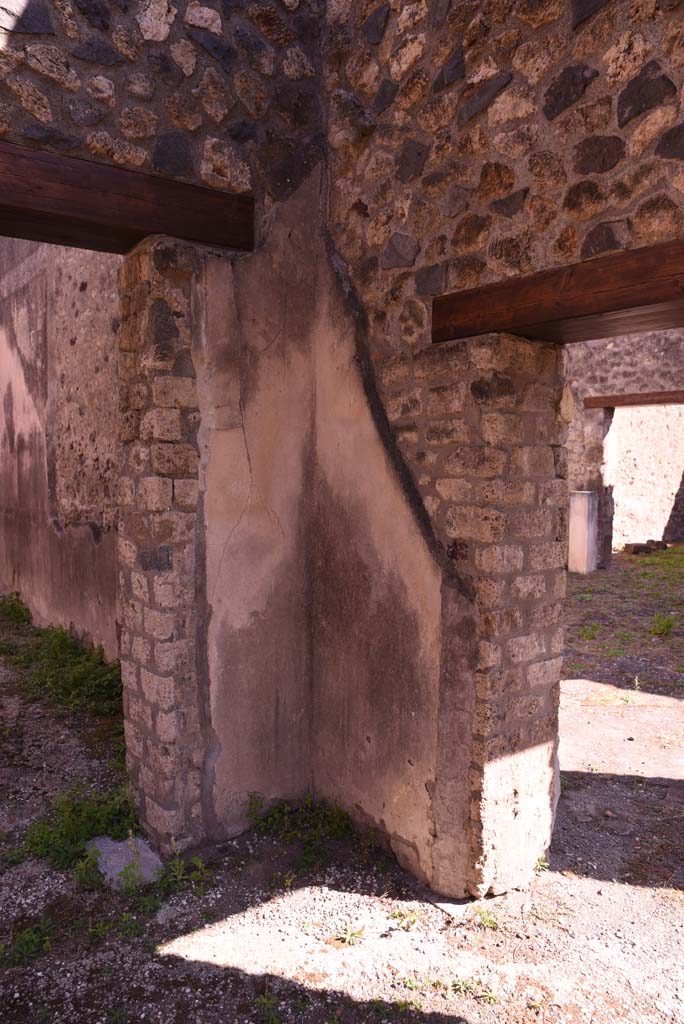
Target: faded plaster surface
x=59, y=397
x=644, y=466
x=327, y=666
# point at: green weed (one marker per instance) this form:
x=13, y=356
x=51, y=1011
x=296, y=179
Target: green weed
x=541, y=865
x=590, y=631
x=486, y=919
x=662, y=624
x=13, y=609
x=464, y=986
x=76, y=677
x=313, y=824
x=61, y=838
x=117, y=1015
x=267, y=1006
x=405, y=919
x=178, y=873
x=87, y=872
x=350, y=936
x=29, y=943
x=130, y=927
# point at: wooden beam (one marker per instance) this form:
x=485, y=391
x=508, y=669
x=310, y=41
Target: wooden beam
x=643, y=398
x=49, y=198
x=620, y=293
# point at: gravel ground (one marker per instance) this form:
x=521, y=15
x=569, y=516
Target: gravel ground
x=597, y=939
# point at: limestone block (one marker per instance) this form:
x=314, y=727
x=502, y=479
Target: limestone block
x=132, y=858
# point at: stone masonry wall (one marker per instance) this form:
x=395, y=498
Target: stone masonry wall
x=219, y=94
x=643, y=362
x=470, y=699
x=485, y=422
x=161, y=593
x=478, y=141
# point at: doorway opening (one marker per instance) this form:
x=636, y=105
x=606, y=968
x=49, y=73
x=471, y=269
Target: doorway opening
x=622, y=693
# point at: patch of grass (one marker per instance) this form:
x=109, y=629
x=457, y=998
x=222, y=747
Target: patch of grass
x=576, y=667
x=28, y=944
x=178, y=873
x=464, y=986
x=76, y=677
x=405, y=919
x=13, y=609
x=486, y=918
x=350, y=936
x=662, y=624
x=590, y=631
x=267, y=1006
x=8, y=648
x=405, y=1005
x=313, y=824
x=282, y=881
x=98, y=932
x=541, y=865
x=87, y=872
x=61, y=838
x=117, y=1015
x=130, y=927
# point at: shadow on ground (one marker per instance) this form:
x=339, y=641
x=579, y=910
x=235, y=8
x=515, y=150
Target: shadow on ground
x=622, y=828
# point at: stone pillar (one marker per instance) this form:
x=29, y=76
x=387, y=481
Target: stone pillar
x=583, y=532
x=510, y=539
x=160, y=541
x=482, y=424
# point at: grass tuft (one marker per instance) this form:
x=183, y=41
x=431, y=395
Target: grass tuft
x=63, y=671
x=61, y=838
x=313, y=824
x=662, y=624
x=13, y=609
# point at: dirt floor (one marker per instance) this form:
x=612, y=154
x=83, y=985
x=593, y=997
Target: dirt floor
x=257, y=937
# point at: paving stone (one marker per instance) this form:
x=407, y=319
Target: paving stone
x=115, y=856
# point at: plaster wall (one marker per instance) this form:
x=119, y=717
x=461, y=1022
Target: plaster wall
x=59, y=435
x=644, y=466
x=291, y=623
x=324, y=633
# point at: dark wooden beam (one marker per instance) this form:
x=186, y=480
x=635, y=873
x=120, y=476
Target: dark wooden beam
x=620, y=293
x=643, y=398
x=49, y=198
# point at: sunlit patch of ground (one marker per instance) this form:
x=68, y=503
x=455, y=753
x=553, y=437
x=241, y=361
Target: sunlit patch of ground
x=625, y=625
